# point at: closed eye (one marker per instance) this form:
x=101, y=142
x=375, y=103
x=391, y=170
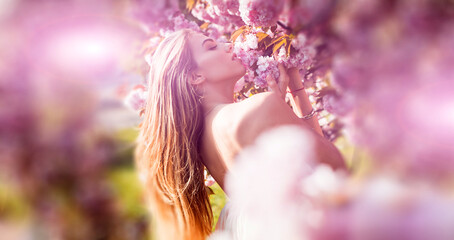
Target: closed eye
x=213, y=48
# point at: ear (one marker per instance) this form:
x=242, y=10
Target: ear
x=196, y=78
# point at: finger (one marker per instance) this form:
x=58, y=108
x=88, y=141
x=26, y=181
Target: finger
x=281, y=69
x=293, y=72
x=282, y=72
x=283, y=85
x=273, y=85
x=284, y=81
x=271, y=82
x=283, y=77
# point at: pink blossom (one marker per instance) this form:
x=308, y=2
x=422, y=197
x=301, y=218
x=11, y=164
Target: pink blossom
x=136, y=99
x=247, y=57
x=177, y=21
x=222, y=14
x=209, y=180
x=304, y=11
x=301, y=56
x=260, y=12
x=266, y=66
x=153, y=13
x=239, y=85
x=248, y=42
x=395, y=84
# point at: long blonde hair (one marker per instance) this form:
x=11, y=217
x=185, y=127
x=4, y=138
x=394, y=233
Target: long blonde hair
x=168, y=147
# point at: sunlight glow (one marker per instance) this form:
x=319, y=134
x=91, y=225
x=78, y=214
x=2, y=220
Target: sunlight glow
x=86, y=50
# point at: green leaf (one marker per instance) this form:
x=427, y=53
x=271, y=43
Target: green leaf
x=237, y=33
x=209, y=190
x=289, y=44
x=275, y=41
x=190, y=4
x=261, y=36
x=279, y=44
x=204, y=26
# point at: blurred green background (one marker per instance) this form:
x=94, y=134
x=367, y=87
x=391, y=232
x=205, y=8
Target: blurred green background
x=16, y=221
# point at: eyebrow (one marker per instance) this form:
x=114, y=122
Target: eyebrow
x=207, y=40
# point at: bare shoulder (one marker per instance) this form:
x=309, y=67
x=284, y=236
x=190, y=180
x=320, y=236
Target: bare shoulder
x=265, y=101
x=269, y=108
x=260, y=113
x=250, y=118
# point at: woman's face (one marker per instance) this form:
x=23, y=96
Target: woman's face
x=215, y=61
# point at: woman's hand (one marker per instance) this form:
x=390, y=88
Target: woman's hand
x=294, y=79
x=279, y=87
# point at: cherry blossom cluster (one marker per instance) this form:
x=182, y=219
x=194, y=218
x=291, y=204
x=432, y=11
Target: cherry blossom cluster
x=153, y=13
x=305, y=12
x=246, y=49
x=136, y=99
x=261, y=63
x=261, y=12
x=266, y=66
x=395, y=79
x=302, y=55
x=222, y=15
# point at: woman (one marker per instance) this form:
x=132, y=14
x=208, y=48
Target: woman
x=191, y=121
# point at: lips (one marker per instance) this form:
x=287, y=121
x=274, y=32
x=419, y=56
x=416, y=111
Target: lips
x=234, y=57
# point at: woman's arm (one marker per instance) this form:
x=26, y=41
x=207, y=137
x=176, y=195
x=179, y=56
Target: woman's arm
x=300, y=101
x=268, y=110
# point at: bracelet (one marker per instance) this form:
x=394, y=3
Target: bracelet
x=299, y=89
x=310, y=115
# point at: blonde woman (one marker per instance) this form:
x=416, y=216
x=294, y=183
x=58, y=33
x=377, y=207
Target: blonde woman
x=191, y=122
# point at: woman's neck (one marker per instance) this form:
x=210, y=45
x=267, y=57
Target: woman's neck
x=215, y=95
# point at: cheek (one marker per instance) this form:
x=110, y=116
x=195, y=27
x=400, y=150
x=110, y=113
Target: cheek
x=231, y=69
x=235, y=67
x=221, y=66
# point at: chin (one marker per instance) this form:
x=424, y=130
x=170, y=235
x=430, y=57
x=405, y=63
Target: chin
x=236, y=71
x=241, y=70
